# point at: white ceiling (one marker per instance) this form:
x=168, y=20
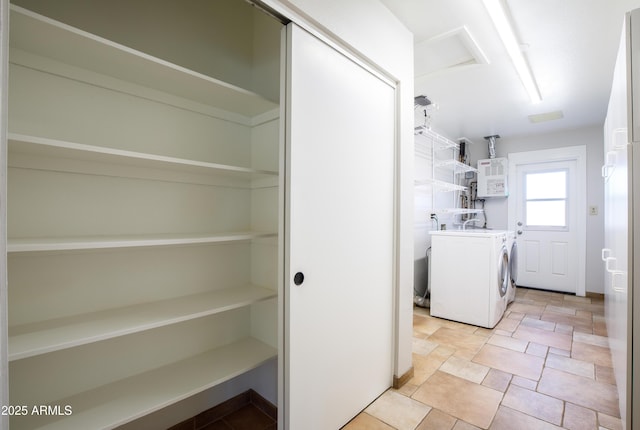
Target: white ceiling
x=570, y=45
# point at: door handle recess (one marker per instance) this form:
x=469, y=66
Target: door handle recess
x=298, y=278
x=607, y=267
x=622, y=131
x=615, y=288
x=608, y=259
x=609, y=164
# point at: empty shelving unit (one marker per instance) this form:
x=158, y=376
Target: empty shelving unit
x=142, y=212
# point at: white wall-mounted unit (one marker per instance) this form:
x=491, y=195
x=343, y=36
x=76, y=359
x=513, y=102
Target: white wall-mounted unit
x=492, y=177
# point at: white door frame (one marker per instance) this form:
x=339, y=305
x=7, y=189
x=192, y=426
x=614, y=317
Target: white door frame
x=579, y=154
x=4, y=82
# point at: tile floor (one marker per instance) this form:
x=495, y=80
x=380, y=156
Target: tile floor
x=546, y=365
x=249, y=417
x=246, y=411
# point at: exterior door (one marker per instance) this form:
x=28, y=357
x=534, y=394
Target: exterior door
x=339, y=235
x=546, y=211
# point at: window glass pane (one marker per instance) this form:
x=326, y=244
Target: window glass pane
x=547, y=185
x=547, y=213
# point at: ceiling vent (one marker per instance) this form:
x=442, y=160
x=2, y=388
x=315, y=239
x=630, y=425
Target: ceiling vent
x=492, y=144
x=421, y=100
x=547, y=116
x=447, y=51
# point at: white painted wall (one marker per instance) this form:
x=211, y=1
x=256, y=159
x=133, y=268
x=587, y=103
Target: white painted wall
x=592, y=138
x=423, y=205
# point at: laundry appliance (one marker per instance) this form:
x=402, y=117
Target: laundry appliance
x=470, y=276
x=512, y=246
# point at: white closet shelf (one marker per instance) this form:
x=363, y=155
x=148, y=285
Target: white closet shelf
x=44, y=147
x=441, y=186
x=43, y=36
x=456, y=165
x=438, y=141
x=126, y=241
x=424, y=182
x=123, y=401
x=456, y=211
x=445, y=187
x=29, y=340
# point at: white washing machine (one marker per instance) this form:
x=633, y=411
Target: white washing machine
x=512, y=246
x=469, y=276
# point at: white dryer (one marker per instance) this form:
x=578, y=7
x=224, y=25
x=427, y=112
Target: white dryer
x=469, y=276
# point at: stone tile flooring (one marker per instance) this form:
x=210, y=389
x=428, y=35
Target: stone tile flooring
x=246, y=411
x=546, y=365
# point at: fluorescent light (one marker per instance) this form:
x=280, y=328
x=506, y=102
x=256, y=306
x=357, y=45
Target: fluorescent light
x=503, y=26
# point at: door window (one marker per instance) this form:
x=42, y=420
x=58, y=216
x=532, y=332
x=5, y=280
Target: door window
x=546, y=200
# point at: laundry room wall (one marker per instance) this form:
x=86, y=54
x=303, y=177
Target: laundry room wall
x=423, y=206
x=591, y=137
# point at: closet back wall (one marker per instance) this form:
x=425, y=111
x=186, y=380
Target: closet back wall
x=221, y=38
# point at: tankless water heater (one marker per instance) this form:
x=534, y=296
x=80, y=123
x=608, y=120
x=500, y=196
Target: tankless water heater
x=492, y=178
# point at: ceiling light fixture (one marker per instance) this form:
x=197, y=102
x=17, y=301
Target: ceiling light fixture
x=503, y=26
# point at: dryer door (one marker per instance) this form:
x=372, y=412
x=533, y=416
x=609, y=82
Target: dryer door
x=503, y=271
x=513, y=263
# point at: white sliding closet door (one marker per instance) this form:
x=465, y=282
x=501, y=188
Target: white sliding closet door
x=339, y=235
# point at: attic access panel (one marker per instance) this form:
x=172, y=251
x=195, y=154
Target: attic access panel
x=453, y=49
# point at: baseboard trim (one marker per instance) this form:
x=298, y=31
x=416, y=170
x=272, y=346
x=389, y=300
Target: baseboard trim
x=398, y=382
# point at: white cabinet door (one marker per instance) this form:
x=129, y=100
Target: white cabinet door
x=339, y=234
x=617, y=225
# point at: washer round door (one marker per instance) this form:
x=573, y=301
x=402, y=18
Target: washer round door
x=513, y=263
x=503, y=271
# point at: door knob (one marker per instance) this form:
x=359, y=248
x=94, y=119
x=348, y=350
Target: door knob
x=298, y=278
x=519, y=232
